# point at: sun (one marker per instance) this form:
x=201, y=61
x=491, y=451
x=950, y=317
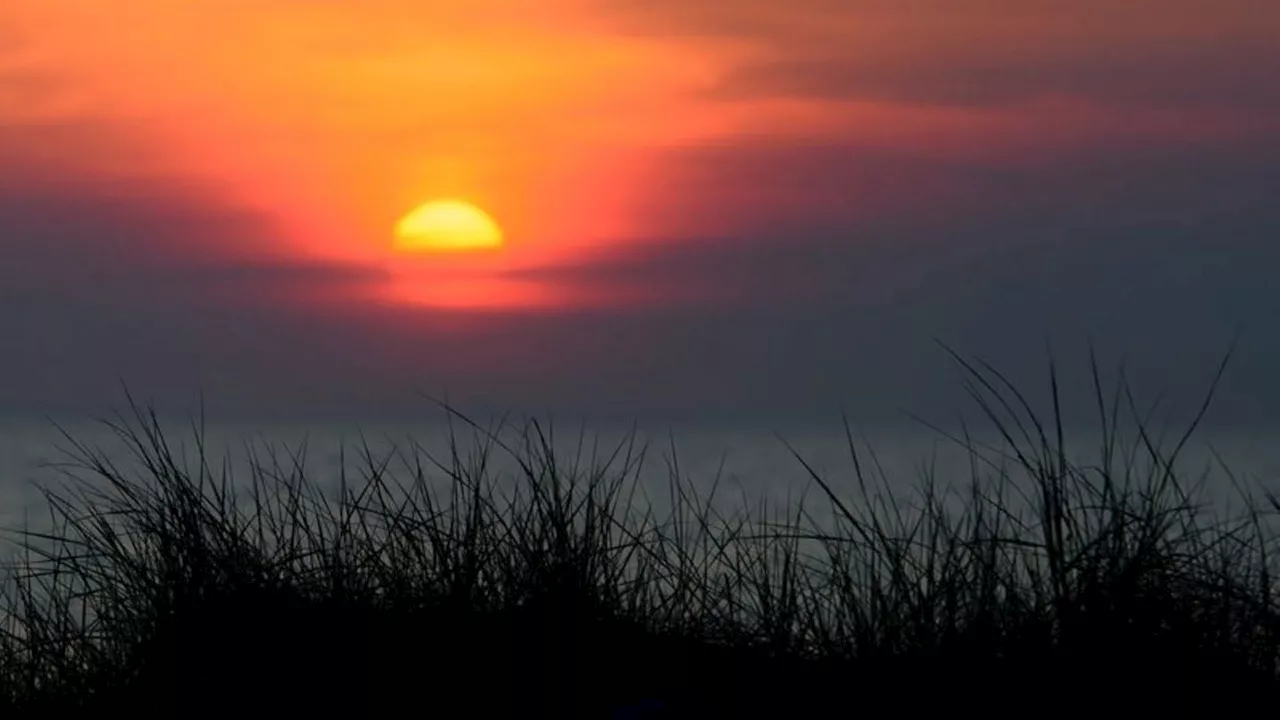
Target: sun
x=447, y=226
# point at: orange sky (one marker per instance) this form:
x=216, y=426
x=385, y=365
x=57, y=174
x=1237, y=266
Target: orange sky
x=335, y=118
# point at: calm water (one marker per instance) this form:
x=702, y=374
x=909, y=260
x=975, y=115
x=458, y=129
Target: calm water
x=751, y=463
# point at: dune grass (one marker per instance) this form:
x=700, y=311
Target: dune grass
x=431, y=585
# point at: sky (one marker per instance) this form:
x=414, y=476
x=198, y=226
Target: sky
x=744, y=211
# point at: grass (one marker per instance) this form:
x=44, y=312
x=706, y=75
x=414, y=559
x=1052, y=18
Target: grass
x=445, y=585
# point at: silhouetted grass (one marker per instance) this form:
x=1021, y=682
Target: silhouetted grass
x=445, y=585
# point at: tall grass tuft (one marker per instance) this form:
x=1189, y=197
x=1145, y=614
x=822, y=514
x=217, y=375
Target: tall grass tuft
x=561, y=584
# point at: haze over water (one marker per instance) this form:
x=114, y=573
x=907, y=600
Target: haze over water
x=753, y=464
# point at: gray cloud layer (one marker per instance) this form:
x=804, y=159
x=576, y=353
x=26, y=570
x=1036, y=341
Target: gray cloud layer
x=1162, y=53
x=1155, y=256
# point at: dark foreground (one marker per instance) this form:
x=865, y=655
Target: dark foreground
x=440, y=589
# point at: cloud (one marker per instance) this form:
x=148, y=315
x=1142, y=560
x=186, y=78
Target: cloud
x=1153, y=254
x=143, y=282
x=88, y=238
x=798, y=310
x=1226, y=77
x=988, y=53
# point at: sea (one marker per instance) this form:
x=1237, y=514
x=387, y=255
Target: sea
x=740, y=468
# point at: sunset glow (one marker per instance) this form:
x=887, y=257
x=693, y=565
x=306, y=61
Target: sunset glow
x=591, y=129
x=332, y=119
x=447, y=226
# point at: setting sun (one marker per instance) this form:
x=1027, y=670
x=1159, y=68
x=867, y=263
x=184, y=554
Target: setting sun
x=447, y=226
